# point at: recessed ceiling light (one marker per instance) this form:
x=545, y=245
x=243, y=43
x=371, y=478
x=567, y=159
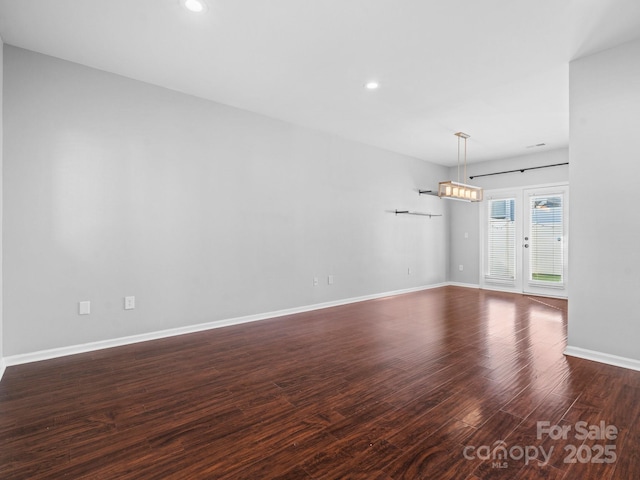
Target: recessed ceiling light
x=372, y=85
x=197, y=6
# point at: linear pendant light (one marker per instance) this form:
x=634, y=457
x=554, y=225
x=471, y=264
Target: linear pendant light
x=457, y=190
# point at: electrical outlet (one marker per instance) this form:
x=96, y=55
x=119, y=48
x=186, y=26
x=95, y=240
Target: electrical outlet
x=409, y=271
x=84, y=308
x=129, y=303
x=330, y=279
x=461, y=267
x=315, y=281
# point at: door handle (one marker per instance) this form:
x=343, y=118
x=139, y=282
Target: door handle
x=526, y=245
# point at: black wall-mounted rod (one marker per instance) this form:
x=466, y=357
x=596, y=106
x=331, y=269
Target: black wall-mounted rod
x=407, y=212
x=427, y=192
x=521, y=170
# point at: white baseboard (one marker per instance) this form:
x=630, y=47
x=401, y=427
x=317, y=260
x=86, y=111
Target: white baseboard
x=3, y=367
x=601, y=357
x=117, y=342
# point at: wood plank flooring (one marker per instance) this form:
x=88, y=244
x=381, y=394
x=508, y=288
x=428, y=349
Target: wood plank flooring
x=417, y=386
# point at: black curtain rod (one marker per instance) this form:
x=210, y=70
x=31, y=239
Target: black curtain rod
x=521, y=170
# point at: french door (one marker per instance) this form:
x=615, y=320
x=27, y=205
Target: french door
x=525, y=240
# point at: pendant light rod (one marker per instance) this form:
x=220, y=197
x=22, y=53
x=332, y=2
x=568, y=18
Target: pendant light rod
x=462, y=135
x=458, y=158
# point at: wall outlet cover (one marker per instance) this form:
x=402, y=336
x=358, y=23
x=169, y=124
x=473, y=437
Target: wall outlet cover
x=84, y=307
x=129, y=303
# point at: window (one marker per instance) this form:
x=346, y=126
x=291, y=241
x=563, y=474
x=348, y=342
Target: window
x=546, y=240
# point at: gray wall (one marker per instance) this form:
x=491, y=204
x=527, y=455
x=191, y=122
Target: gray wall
x=204, y=212
x=465, y=217
x=604, y=311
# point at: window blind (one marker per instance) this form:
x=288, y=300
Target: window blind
x=546, y=238
x=502, y=239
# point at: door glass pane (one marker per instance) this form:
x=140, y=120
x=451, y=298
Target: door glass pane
x=501, y=239
x=546, y=240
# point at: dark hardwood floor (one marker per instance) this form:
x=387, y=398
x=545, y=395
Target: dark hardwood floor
x=423, y=385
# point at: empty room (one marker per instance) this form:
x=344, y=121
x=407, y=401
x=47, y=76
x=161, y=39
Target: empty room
x=319, y=239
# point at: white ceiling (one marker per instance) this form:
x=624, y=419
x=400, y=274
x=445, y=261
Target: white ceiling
x=495, y=69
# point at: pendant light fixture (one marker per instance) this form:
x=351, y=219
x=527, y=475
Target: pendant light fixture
x=457, y=190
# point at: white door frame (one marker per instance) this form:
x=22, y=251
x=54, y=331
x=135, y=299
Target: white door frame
x=518, y=284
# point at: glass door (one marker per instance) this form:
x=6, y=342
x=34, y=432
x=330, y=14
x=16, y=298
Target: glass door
x=545, y=241
x=502, y=256
x=525, y=240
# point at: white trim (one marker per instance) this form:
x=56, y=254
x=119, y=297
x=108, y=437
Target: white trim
x=3, y=367
x=465, y=285
x=500, y=282
x=601, y=357
x=117, y=342
x=546, y=295
x=503, y=289
x=501, y=192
